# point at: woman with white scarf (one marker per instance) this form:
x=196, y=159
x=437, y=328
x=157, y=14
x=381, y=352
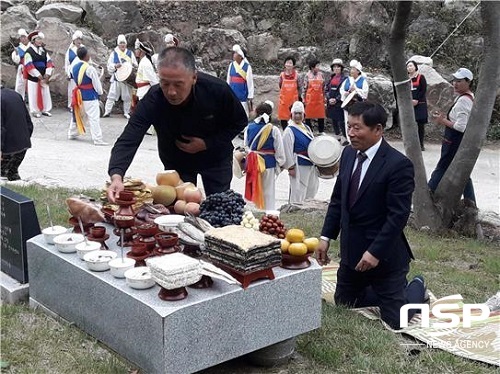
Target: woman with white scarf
x=303, y=174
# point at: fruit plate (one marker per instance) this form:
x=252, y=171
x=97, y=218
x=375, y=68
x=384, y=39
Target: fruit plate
x=292, y=262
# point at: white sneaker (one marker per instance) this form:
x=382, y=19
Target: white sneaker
x=47, y=114
x=37, y=115
x=100, y=143
x=71, y=137
x=105, y=115
x=127, y=116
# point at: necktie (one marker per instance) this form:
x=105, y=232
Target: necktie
x=355, y=178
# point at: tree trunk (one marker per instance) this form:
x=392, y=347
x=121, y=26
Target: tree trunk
x=423, y=206
x=449, y=190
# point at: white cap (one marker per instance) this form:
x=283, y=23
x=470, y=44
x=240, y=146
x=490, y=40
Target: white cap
x=22, y=32
x=270, y=103
x=297, y=107
x=337, y=61
x=238, y=50
x=463, y=73
x=121, y=39
x=77, y=35
x=357, y=65
x=169, y=38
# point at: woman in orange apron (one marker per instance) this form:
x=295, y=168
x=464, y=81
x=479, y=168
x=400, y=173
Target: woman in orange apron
x=289, y=90
x=314, y=88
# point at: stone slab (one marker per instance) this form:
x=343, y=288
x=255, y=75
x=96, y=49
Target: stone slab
x=210, y=326
x=12, y=291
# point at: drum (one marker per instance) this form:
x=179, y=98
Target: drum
x=126, y=74
x=352, y=98
x=324, y=151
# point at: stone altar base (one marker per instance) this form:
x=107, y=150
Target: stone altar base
x=208, y=327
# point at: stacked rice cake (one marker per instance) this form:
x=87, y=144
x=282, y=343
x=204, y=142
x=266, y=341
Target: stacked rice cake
x=242, y=249
x=174, y=270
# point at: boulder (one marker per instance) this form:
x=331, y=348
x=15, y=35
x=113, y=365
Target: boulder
x=215, y=44
x=65, y=12
x=5, y=4
x=264, y=46
x=301, y=54
x=422, y=60
x=359, y=13
x=57, y=40
x=237, y=23
x=440, y=92
x=9, y=75
x=13, y=19
x=265, y=24
x=266, y=88
x=111, y=18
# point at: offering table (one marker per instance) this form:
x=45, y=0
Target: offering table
x=208, y=327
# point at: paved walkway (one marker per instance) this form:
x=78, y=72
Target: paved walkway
x=54, y=160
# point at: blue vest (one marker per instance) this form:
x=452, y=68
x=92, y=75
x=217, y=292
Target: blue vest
x=116, y=59
x=71, y=55
x=358, y=84
x=237, y=83
x=20, y=52
x=300, y=146
x=252, y=130
x=88, y=94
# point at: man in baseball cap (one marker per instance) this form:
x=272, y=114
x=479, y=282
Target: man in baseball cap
x=463, y=73
x=455, y=124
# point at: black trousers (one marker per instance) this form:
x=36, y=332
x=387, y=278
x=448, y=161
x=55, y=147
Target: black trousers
x=321, y=124
x=10, y=165
x=378, y=287
x=215, y=179
x=421, y=130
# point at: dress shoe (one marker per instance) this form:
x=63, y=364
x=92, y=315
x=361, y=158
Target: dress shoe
x=422, y=148
x=100, y=142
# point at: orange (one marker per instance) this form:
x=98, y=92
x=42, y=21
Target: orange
x=284, y=245
x=297, y=249
x=311, y=244
x=295, y=236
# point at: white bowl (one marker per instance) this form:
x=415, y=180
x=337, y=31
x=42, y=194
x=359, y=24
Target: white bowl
x=119, y=266
x=169, y=222
x=66, y=243
x=139, y=278
x=50, y=233
x=83, y=248
x=99, y=260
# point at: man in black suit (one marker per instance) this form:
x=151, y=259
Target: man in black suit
x=370, y=205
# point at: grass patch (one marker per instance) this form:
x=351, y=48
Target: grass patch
x=346, y=342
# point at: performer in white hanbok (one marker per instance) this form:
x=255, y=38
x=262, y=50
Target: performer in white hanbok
x=18, y=58
x=170, y=41
x=304, y=176
x=146, y=75
x=118, y=89
x=85, y=98
x=357, y=83
x=39, y=67
x=69, y=58
x=265, y=158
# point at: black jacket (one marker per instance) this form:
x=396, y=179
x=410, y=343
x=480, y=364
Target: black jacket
x=376, y=220
x=212, y=113
x=16, y=123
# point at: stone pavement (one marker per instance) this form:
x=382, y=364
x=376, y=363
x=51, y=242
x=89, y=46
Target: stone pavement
x=56, y=161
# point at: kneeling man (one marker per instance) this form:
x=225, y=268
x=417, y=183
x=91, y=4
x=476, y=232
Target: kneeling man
x=369, y=207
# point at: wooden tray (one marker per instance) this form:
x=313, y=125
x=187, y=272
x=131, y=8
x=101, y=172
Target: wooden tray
x=246, y=278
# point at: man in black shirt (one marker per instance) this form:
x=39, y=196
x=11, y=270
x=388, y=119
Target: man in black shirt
x=196, y=116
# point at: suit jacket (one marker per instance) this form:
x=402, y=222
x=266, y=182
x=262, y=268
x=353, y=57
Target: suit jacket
x=382, y=207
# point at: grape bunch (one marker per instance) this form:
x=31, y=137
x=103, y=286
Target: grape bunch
x=271, y=224
x=223, y=208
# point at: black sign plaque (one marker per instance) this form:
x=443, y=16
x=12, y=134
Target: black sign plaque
x=19, y=223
